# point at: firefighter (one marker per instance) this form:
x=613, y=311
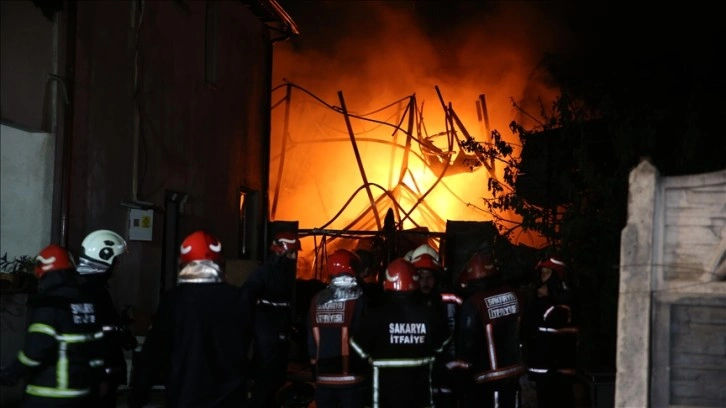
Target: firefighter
x=446, y=382
x=272, y=290
x=400, y=337
x=488, y=336
x=200, y=335
x=552, y=336
x=62, y=358
x=97, y=262
x=335, y=314
x=368, y=273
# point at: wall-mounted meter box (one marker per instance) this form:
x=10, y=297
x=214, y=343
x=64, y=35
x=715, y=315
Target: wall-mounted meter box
x=141, y=224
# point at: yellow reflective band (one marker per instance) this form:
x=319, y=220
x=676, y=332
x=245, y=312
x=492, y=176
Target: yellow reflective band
x=41, y=328
x=79, y=338
x=27, y=360
x=96, y=363
x=440, y=349
x=61, y=367
x=403, y=362
x=55, y=392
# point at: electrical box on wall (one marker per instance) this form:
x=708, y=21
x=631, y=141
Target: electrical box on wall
x=141, y=224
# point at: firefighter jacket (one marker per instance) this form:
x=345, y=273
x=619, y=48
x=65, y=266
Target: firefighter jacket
x=552, y=336
x=448, y=304
x=62, y=358
x=400, y=337
x=117, y=336
x=272, y=290
x=335, y=315
x=198, y=341
x=488, y=332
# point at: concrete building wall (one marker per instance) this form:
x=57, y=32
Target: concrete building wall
x=26, y=188
x=672, y=304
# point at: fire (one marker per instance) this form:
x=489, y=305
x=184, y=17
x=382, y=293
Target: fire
x=316, y=176
x=324, y=178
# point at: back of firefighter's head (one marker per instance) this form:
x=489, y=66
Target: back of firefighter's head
x=342, y=267
x=553, y=263
x=99, y=250
x=200, y=258
x=481, y=266
x=286, y=244
x=367, y=265
x=401, y=276
x=426, y=261
x=53, y=258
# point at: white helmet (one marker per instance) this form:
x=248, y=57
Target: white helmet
x=425, y=249
x=100, y=248
x=407, y=256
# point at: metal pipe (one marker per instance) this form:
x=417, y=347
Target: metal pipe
x=283, y=148
x=64, y=135
x=358, y=159
x=485, y=117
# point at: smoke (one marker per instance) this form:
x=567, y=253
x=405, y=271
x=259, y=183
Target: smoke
x=378, y=52
x=381, y=51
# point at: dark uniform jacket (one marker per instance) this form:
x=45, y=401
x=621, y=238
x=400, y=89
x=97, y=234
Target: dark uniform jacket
x=401, y=337
x=117, y=337
x=334, y=317
x=62, y=358
x=272, y=292
x=200, y=337
x=448, y=304
x=551, y=333
x=488, y=333
x=272, y=289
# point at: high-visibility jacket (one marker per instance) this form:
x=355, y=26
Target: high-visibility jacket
x=332, y=320
x=488, y=333
x=401, y=337
x=62, y=357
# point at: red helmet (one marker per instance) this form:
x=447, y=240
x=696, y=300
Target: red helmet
x=285, y=242
x=400, y=276
x=342, y=262
x=555, y=263
x=52, y=258
x=200, y=246
x=425, y=257
x=481, y=265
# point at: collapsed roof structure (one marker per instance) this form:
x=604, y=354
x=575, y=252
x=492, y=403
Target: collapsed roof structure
x=348, y=177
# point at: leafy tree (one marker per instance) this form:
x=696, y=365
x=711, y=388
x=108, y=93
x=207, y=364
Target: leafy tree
x=609, y=115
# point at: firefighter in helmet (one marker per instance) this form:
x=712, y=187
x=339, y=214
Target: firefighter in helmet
x=100, y=251
x=62, y=358
x=488, y=336
x=200, y=336
x=426, y=261
x=272, y=290
x=400, y=337
x=552, y=336
x=335, y=315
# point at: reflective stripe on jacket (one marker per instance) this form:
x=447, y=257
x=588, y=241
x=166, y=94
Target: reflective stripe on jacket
x=62, y=356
